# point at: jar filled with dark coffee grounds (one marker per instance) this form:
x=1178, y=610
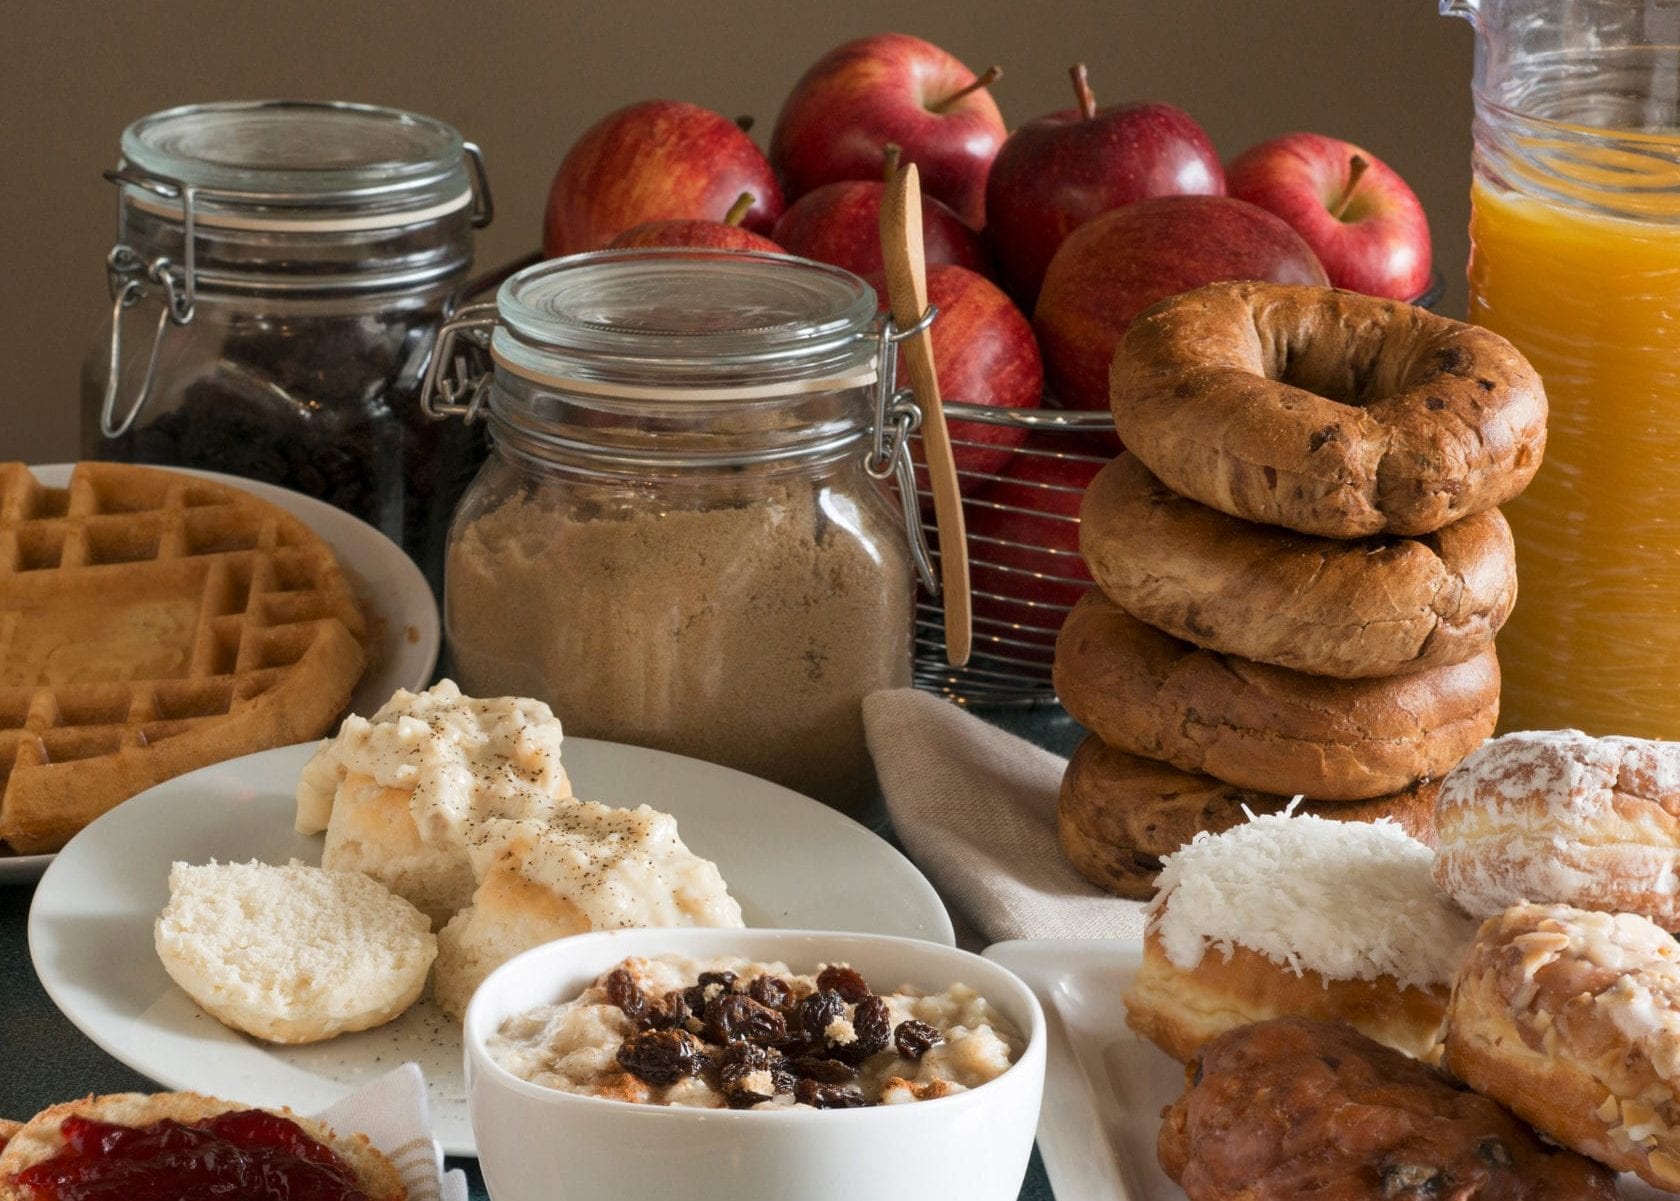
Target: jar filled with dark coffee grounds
x=280, y=273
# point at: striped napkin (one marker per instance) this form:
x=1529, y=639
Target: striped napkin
x=393, y=1113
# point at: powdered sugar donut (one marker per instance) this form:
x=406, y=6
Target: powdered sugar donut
x=1558, y=816
x=1287, y=915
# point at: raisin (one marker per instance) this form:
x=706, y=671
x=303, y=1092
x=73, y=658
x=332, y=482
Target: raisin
x=823, y=1070
x=695, y=996
x=670, y=1012
x=623, y=991
x=872, y=1024
x=818, y=1010
x=823, y=1096
x=770, y=990
x=724, y=979
x=743, y=1060
x=843, y=980
x=661, y=1057
x=915, y=1039
x=732, y=1016
x=1320, y=437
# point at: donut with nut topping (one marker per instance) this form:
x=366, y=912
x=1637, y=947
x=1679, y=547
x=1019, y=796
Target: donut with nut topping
x=1571, y=1018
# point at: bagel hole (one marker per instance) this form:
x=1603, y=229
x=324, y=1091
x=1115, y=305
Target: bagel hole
x=1345, y=366
x=1347, y=385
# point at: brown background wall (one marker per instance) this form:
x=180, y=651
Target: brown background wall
x=524, y=77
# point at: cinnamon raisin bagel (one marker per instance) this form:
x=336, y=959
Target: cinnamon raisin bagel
x=1325, y=411
x=1352, y=609
x=1265, y=727
x=1120, y=815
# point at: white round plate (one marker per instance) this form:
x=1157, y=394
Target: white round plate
x=387, y=581
x=788, y=860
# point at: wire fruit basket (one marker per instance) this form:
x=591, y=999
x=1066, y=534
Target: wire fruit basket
x=1022, y=516
x=1023, y=544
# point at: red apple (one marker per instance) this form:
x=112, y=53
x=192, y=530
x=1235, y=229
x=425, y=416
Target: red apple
x=1357, y=214
x=840, y=223
x=1114, y=266
x=1056, y=173
x=891, y=88
x=1023, y=544
x=660, y=160
x=985, y=354
x=713, y=235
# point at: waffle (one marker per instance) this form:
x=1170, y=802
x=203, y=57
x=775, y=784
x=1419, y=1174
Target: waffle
x=152, y=623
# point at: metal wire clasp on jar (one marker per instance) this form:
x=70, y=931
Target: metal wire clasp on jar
x=684, y=537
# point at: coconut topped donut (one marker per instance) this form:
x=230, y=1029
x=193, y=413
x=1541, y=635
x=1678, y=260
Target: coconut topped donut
x=1326, y=412
x=1348, y=900
x=1303, y=917
x=1560, y=816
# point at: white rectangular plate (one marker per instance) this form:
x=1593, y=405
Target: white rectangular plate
x=1105, y=1087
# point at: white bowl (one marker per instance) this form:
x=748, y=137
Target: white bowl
x=540, y=1144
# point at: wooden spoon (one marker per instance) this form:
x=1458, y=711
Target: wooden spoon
x=906, y=271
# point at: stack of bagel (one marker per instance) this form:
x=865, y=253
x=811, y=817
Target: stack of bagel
x=1300, y=568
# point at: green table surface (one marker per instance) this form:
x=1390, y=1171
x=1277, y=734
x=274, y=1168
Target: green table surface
x=44, y=1059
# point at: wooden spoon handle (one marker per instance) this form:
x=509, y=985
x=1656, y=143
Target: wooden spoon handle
x=906, y=271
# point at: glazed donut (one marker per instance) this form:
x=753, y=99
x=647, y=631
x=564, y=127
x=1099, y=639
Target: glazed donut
x=1555, y=815
x=1293, y=1108
x=1572, y=1020
x=1264, y=727
x=1330, y=607
x=1298, y=915
x=1120, y=815
x=1327, y=412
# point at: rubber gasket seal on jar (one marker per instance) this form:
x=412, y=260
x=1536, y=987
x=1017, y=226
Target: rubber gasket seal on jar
x=1369, y=607
x=1265, y=727
x=1327, y=412
x=1119, y=815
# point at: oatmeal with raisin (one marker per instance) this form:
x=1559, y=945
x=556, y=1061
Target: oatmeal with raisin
x=676, y=1031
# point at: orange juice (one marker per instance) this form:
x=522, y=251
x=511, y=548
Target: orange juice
x=1593, y=301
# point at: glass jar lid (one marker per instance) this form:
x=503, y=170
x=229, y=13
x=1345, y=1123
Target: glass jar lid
x=291, y=164
x=693, y=323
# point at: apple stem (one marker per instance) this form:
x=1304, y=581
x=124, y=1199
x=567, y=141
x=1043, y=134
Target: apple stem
x=985, y=79
x=738, y=210
x=1082, y=89
x=1356, y=172
x=744, y=122
x=892, y=154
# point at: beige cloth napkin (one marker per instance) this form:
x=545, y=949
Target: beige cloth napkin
x=393, y=1113
x=975, y=807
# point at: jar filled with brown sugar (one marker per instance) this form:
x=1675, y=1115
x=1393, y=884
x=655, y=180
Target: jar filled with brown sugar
x=681, y=539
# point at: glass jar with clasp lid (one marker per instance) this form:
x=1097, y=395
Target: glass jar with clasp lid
x=279, y=275
x=682, y=538
x=1575, y=257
